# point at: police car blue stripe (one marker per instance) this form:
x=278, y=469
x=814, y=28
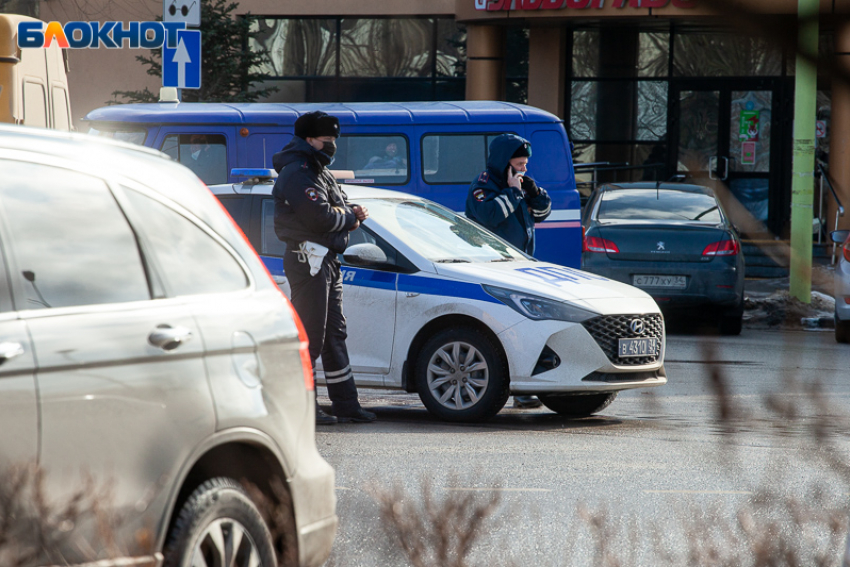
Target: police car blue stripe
x=407, y=283
x=448, y=288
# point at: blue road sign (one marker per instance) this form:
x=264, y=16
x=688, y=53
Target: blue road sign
x=181, y=66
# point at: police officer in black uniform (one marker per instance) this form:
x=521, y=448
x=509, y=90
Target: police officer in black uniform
x=313, y=217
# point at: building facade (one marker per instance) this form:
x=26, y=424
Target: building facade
x=703, y=88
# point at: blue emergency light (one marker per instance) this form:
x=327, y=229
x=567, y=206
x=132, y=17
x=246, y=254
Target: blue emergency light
x=260, y=174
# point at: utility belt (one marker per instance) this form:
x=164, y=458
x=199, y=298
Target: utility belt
x=311, y=253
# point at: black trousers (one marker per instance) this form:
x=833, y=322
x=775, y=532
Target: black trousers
x=318, y=302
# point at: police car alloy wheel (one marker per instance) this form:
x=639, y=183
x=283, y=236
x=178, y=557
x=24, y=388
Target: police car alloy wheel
x=462, y=376
x=577, y=405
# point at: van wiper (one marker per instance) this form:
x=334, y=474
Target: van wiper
x=503, y=260
x=453, y=261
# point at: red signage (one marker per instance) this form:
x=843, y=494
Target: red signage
x=498, y=5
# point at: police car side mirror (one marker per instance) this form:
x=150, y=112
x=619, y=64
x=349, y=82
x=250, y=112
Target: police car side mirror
x=840, y=236
x=364, y=255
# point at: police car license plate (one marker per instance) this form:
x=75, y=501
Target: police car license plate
x=636, y=347
x=677, y=282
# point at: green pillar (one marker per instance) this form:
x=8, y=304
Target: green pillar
x=803, y=183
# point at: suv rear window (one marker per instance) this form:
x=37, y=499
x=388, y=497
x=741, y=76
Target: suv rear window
x=651, y=204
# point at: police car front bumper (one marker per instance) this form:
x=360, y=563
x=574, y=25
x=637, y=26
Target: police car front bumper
x=553, y=356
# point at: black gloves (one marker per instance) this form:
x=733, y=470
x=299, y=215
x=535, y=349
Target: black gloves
x=529, y=186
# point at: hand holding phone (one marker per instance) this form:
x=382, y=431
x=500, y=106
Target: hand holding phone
x=514, y=177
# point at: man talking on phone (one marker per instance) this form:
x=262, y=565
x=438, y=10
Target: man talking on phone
x=508, y=202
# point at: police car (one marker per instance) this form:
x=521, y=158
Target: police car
x=438, y=305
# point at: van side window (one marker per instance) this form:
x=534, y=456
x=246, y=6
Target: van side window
x=70, y=242
x=454, y=158
x=35, y=105
x=205, y=154
x=377, y=160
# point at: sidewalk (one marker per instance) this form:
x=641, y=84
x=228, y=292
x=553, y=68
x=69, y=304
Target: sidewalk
x=767, y=303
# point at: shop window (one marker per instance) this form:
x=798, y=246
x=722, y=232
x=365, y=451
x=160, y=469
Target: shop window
x=724, y=54
x=652, y=110
x=297, y=47
x=451, y=48
x=654, y=55
x=205, y=154
x=378, y=160
x=583, y=99
x=386, y=47
x=586, y=53
x=618, y=163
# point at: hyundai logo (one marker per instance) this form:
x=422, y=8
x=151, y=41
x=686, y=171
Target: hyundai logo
x=637, y=326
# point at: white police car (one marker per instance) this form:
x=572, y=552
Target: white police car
x=437, y=305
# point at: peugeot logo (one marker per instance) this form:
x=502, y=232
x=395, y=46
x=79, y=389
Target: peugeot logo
x=637, y=326
x=661, y=245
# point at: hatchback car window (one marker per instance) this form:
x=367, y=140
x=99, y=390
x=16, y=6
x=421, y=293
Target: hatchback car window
x=205, y=154
x=438, y=234
x=377, y=160
x=70, y=241
x=649, y=204
x=453, y=158
x=192, y=262
x=271, y=244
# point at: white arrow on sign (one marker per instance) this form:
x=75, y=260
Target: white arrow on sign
x=181, y=57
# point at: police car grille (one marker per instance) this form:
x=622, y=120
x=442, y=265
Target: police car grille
x=607, y=329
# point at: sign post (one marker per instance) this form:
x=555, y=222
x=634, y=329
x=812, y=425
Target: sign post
x=181, y=65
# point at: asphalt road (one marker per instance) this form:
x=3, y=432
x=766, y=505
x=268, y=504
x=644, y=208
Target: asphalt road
x=657, y=475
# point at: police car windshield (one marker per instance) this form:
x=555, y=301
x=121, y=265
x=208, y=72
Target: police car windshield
x=438, y=234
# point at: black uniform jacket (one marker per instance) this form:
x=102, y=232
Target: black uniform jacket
x=308, y=202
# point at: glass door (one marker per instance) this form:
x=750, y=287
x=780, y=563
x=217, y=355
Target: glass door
x=725, y=132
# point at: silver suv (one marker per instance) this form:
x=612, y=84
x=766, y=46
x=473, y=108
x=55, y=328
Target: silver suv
x=143, y=343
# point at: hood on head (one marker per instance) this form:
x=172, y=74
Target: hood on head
x=501, y=149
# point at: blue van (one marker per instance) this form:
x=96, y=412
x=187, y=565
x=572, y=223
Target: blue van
x=431, y=149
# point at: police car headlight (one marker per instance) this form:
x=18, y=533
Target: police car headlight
x=539, y=308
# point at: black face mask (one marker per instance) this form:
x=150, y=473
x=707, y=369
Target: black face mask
x=329, y=148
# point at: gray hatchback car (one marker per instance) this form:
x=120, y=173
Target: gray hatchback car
x=143, y=342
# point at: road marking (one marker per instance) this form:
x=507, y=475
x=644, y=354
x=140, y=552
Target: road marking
x=494, y=489
x=744, y=492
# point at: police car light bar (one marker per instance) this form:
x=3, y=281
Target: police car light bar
x=259, y=173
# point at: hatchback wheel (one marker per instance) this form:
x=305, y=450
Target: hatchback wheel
x=577, y=405
x=220, y=525
x=461, y=376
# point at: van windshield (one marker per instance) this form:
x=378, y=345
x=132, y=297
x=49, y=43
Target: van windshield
x=439, y=234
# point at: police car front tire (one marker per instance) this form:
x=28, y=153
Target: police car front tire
x=577, y=405
x=462, y=376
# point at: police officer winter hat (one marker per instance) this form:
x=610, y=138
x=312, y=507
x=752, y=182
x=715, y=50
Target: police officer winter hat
x=315, y=124
x=523, y=151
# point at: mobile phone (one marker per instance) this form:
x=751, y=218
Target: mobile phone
x=516, y=173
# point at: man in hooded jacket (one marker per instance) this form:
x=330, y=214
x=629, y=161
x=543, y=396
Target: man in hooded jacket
x=508, y=202
x=313, y=216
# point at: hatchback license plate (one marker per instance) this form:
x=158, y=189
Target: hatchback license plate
x=677, y=282
x=636, y=347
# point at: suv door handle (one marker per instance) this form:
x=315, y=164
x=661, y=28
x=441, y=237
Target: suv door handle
x=167, y=337
x=10, y=350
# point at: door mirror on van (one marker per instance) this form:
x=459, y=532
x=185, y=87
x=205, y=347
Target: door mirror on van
x=365, y=254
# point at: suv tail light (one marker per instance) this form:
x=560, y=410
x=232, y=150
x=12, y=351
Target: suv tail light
x=304, y=343
x=596, y=244
x=583, y=240
x=722, y=248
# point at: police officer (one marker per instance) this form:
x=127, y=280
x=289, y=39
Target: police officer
x=508, y=202
x=313, y=217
